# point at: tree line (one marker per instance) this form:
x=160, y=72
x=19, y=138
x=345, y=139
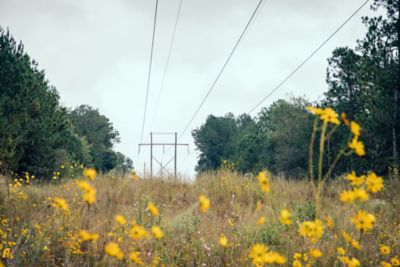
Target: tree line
x=37, y=134
x=363, y=83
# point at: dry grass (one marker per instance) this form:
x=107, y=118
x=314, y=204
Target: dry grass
x=43, y=233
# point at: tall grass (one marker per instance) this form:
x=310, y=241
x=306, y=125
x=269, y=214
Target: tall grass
x=44, y=235
x=237, y=220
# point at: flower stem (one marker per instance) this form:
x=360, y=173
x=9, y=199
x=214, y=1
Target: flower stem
x=311, y=153
x=320, y=165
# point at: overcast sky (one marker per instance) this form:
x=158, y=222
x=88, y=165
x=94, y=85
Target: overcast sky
x=97, y=52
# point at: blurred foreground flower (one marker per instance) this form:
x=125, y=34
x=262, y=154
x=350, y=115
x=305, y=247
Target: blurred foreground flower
x=263, y=182
x=153, y=209
x=112, y=249
x=61, y=203
x=157, y=232
x=90, y=173
x=223, y=240
x=86, y=236
x=284, y=217
x=89, y=193
x=204, y=203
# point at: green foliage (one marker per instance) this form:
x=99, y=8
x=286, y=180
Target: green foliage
x=213, y=140
x=37, y=134
x=363, y=83
x=100, y=135
x=123, y=163
x=285, y=127
x=273, y=140
x=34, y=128
x=305, y=211
x=270, y=234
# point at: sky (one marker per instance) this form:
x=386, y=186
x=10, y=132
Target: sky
x=97, y=52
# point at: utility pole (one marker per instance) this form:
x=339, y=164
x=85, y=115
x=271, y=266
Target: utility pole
x=175, y=144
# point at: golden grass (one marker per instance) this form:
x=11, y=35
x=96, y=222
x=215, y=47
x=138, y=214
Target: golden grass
x=44, y=236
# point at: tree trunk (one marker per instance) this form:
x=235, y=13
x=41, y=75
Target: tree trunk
x=394, y=126
x=396, y=96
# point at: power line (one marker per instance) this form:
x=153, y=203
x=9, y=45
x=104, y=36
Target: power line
x=308, y=58
x=149, y=73
x=167, y=63
x=222, y=69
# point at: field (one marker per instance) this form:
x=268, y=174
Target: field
x=40, y=230
x=296, y=133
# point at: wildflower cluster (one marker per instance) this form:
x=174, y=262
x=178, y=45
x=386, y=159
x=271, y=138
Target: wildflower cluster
x=313, y=230
x=263, y=182
x=259, y=221
x=260, y=255
x=362, y=186
x=327, y=115
x=88, y=192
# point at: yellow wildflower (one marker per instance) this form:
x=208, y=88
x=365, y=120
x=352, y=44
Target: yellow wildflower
x=261, y=220
x=223, y=240
x=297, y=256
x=90, y=198
x=329, y=116
x=297, y=263
x=355, y=128
x=354, y=179
x=89, y=193
x=61, y=203
x=315, y=111
x=257, y=254
x=354, y=243
x=360, y=194
x=157, y=232
x=374, y=183
x=120, y=219
x=86, y=236
x=138, y=232
x=385, y=264
x=263, y=181
x=156, y=261
x=284, y=217
x=153, y=209
x=340, y=251
x=395, y=261
x=385, y=250
x=90, y=173
x=344, y=118
x=363, y=221
x=112, y=249
x=7, y=254
x=134, y=256
x=204, y=203
x=357, y=146
x=347, y=196
x=312, y=230
x=315, y=253
x=272, y=257
x=353, y=262
x=329, y=222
